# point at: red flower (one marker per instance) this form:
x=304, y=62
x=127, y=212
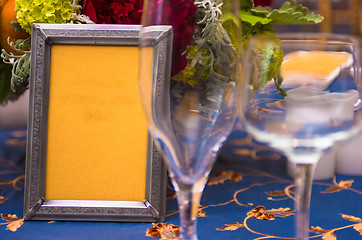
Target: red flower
x=178, y=13
x=263, y=3
x=181, y=15
x=114, y=11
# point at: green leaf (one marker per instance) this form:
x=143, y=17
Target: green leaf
x=231, y=27
x=258, y=29
x=246, y=4
x=271, y=58
x=278, y=82
x=261, y=11
x=289, y=13
x=277, y=56
x=17, y=26
x=253, y=19
x=5, y=78
x=267, y=58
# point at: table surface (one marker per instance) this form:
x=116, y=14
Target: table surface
x=247, y=198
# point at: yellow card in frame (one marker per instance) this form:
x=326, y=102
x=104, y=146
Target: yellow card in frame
x=89, y=156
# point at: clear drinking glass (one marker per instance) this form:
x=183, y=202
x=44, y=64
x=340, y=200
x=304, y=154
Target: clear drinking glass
x=193, y=114
x=320, y=76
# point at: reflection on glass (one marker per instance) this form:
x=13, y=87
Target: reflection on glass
x=313, y=102
x=192, y=111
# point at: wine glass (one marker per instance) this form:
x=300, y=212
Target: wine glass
x=301, y=95
x=190, y=109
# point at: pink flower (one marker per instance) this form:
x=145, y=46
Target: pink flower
x=114, y=11
x=179, y=14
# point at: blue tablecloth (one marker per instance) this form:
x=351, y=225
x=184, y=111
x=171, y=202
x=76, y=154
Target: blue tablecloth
x=245, y=199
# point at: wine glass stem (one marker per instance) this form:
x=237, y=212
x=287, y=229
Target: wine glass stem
x=303, y=180
x=188, y=197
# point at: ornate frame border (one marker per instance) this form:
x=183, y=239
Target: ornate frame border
x=36, y=207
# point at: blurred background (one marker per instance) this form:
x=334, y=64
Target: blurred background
x=340, y=16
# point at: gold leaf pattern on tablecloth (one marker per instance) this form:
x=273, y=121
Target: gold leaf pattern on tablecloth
x=13, y=176
x=351, y=218
x=282, y=194
x=231, y=227
x=2, y=199
x=171, y=195
x=11, y=167
x=221, y=177
x=16, y=142
x=248, y=147
x=17, y=139
x=14, y=182
x=329, y=235
x=163, y=231
x=358, y=228
x=201, y=212
x=9, y=217
x=317, y=229
x=276, y=193
x=342, y=185
x=260, y=213
x=358, y=220
x=12, y=222
x=18, y=133
x=255, y=151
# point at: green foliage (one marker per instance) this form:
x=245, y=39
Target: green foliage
x=258, y=21
x=11, y=70
x=215, y=31
x=211, y=32
x=278, y=82
x=210, y=43
x=50, y=11
x=246, y=5
x=232, y=25
x=276, y=56
x=252, y=19
x=5, y=75
x=20, y=66
x=197, y=66
x=271, y=57
x=17, y=26
x=29, y=12
x=257, y=29
x=289, y=13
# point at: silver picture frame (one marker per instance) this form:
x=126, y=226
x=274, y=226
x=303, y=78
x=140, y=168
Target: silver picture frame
x=36, y=206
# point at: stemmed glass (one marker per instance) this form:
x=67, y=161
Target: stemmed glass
x=194, y=111
x=304, y=105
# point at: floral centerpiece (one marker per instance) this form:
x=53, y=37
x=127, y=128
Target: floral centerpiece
x=257, y=18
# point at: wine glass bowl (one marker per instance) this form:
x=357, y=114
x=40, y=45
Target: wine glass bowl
x=194, y=111
x=313, y=98
x=301, y=95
